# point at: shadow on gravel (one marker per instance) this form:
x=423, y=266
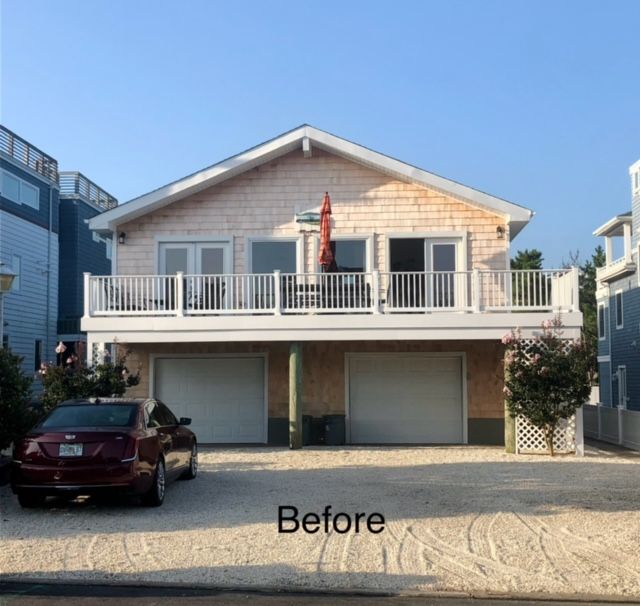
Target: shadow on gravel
x=230, y=495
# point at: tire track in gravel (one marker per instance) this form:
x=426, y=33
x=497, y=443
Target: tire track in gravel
x=88, y=554
x=541, y=535
x=585, y=552
x=138, y=553
x=493, y=548
x=479, y=566
x=477, y=536
x=407, y=560
x=604, y=558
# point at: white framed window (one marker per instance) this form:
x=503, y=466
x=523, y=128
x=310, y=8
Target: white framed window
x=109, y=251
x=269, y=253
x=352, y=253
x=602, y=325
x=194, y=256
x=16, y=263
x=20, y=191
x=619, y=310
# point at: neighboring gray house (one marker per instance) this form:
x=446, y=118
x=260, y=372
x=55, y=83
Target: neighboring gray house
x=46, y=241
x=29, y=230
x=618, y=296
x=81, y=250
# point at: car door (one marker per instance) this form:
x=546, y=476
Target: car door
x=181, y=437
x=158, y=421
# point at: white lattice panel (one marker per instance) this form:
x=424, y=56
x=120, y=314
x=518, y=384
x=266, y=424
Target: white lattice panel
x=531, y=439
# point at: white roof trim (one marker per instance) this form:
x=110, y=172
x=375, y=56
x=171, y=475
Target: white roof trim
x=612, y=226
x=517, y=216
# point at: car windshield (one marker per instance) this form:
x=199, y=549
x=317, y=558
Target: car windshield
x=92, y=415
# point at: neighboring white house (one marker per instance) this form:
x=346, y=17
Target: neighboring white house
x=216, y=274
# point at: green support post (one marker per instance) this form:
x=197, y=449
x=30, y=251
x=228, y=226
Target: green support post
x=295, y=395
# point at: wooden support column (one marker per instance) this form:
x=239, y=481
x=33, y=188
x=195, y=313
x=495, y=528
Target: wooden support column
x=509, y=424
x=295, y=395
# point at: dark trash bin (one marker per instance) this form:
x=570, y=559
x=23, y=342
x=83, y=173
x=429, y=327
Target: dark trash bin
x=307, y=424
x=334, y=434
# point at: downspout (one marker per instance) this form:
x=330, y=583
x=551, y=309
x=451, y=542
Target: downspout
x=48, y=305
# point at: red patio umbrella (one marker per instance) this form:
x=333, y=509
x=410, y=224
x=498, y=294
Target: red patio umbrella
x=325, y=257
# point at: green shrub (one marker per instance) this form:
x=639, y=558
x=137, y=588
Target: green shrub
x=16, y=418
x=71, y=380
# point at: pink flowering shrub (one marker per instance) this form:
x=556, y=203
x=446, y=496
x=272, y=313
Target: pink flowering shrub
x=545, y=381
x=72, y=380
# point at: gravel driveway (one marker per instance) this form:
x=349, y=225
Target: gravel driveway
x=467, y=519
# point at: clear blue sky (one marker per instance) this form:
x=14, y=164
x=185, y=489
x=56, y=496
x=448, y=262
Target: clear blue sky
x=537, y=102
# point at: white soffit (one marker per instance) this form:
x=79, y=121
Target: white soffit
x=305, y=137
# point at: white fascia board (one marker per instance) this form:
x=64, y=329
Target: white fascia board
x=612, y=226
x=516, y=216
x=447, y=326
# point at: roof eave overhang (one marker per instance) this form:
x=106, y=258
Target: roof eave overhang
x=614, y=226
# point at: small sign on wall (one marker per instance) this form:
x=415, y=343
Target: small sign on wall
x=308, y=220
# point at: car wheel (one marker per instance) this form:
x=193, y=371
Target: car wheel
x=192, y=470
x=30, y=500
x=155, y=496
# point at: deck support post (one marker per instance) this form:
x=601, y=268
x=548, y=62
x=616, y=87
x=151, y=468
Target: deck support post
x=509, y=424
x=295, y=395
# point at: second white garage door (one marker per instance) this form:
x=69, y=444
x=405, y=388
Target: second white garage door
x=405, y=399
x=223, y=396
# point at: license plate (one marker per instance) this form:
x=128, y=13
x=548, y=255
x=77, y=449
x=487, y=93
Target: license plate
x=70, y=450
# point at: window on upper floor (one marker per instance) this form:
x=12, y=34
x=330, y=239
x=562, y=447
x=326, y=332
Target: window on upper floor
x=17, y=270
x=350, y=255
x=602, y=326
x=37, y=354
x=619, y=310
x=19, y=191
x=636, y=181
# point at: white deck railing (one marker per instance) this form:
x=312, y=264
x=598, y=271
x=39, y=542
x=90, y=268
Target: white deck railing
x=331, y=293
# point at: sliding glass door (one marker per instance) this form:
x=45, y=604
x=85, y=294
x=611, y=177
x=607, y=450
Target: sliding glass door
x=424, y=272
x=203, y=264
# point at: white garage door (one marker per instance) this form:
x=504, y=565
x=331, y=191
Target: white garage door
x=405, y=399
x=223, y=396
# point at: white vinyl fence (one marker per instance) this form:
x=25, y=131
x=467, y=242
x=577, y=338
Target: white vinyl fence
x=615, y=425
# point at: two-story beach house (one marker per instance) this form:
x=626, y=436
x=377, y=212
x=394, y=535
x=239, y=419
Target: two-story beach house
x=216, y=278
x=618, y=296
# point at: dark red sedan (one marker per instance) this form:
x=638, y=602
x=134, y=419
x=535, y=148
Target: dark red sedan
x=99, y=445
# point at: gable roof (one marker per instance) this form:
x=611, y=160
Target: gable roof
x=304, y=137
